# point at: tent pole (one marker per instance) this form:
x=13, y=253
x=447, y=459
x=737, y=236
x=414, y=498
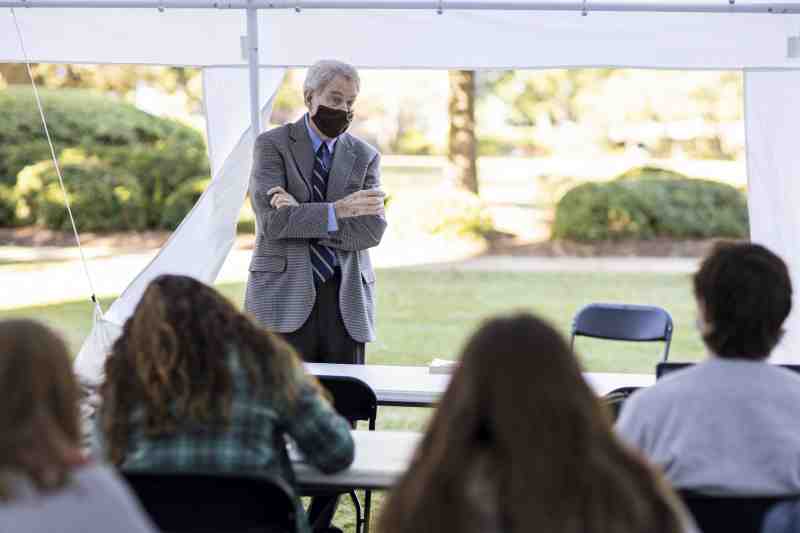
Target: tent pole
x=252, y=60
x=732, y=6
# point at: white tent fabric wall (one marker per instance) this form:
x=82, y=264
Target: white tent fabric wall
x=405, y=39
x=201, y=243
x=772, y=115
x=514, y=40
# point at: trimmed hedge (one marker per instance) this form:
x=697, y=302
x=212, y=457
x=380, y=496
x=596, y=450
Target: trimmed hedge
x=8, y=206
x=160, y=153
x=457, y=212
x=102, y=199
x=650, y=173
x=181, y=201
x=631, y=208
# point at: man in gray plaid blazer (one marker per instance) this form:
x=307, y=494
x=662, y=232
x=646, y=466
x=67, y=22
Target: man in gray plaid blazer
x=315, y=192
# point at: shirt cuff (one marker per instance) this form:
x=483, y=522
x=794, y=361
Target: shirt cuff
x=333, y=225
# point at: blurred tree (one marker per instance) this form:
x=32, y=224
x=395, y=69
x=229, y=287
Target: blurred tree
x=119, y=79
x=668, y=112
x=552, y=95
x=462, y=151
x=13, y=73
x=289, y=99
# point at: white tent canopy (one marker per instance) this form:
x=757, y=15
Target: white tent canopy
x=752, y=36
x=411, y=38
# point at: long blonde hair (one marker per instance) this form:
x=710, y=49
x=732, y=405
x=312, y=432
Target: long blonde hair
x=519, y=403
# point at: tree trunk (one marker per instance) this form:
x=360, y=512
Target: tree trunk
x=14, y=73
x=462, y=149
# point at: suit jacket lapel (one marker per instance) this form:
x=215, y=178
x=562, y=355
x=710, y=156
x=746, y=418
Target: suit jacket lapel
x=343, y=160
x=302, y=151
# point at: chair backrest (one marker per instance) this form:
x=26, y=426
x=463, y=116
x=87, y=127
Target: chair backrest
x=714, y=514
x=662, y=369
x=638, y=323
x=210, y=502
x=352, y=398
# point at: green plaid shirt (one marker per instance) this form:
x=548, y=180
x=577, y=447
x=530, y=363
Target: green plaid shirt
x=254, y=438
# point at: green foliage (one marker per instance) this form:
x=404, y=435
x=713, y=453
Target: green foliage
x=181, y=201
x=160, y=153
x=246, y=226
x=8, y=203
x=650, y=173
x=413, y=142
x=456, y=212
x=651, y=206
x=162, y=168
x=101, y=198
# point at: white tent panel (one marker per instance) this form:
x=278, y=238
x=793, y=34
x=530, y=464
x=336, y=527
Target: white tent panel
x=404, y=38
x=772, y=115
x=228, y=111
x=200, y=245
x=491, y=39
x=125, y=36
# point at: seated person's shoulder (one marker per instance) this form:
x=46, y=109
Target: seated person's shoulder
x=96, y=476
x=788, y=378
x=684, y=383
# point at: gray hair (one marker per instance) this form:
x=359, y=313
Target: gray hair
x=321, y=73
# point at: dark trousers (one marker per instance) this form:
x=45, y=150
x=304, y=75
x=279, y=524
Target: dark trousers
x=324, y=339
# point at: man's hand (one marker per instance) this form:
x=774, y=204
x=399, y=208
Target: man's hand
x=359, y=203
x=280, y=198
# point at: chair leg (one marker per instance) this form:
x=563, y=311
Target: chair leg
x=359, y=516
x=367, y=507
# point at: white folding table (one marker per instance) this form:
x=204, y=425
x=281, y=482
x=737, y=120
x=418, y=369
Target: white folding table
x=381, y=458
x=415, y=386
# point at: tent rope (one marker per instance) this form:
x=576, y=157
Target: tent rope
x=55, y=162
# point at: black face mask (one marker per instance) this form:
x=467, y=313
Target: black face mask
x=332, y=122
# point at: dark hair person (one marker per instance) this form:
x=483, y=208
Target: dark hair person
x=744, y=295
x=520, y=443
x=194, y=384
x=46, y=484
x=728, y=425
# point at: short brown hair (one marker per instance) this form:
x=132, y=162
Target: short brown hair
x=746, y=294
x=39, y=418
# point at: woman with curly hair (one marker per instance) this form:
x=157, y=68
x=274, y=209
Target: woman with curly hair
x=46, y=483
x=193, y=384
x=521, y=444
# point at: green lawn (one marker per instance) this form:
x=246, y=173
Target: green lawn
x=425, y=314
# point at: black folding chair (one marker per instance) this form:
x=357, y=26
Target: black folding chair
x=214, y=502
x=635, y=323
x=356, y=401
x=715, y=514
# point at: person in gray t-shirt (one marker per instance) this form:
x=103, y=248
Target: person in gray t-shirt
x=46, y=483
x=729, y=425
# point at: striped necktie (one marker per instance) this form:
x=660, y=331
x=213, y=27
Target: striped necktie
x=323, y=258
